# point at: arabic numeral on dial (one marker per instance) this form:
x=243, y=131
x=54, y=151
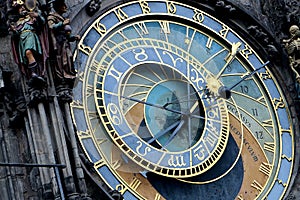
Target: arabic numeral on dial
x=114, y=113
x=254, y=111
x=259, y=135
x=244, y=89
x=229, y=68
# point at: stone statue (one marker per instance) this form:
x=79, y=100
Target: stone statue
x=28, y=44
x=61, y=55
x=292, y=46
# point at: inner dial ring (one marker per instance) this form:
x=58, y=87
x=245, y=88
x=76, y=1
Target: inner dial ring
x=198, y=156
x=179, y=123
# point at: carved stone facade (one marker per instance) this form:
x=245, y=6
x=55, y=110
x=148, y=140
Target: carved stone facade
x=26, y=131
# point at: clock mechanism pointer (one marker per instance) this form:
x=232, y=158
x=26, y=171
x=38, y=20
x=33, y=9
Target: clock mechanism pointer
x=174, y=133
x=229, y=58
x=161, y=133
x=225, y=92
x=153, y=105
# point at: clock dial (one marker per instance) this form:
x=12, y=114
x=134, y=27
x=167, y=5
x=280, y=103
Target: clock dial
x=151, y=115
x=179, y=139
x=163, y=127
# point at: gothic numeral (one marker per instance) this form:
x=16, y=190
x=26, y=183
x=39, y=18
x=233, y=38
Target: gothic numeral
x=209, y=42
x=157, y=196
x=85, y=49
x=247, y=51
x=265, y=75
x=135, y=183
x=77, y=104
x=80, y=76
x=89, y=90
x=114, y=73
x=265, y=168
x=198, y=16
x=121, y=14
x=269, y=146
x=256, y=186
x=224, y=31
x=93, y=115
x=84, y=134
x=145, y=7
x=171, y=8
x=141, y=29
x=267, y=123
x=165, y=27
x=278, y=103
x=100, y=28
x=121, y=188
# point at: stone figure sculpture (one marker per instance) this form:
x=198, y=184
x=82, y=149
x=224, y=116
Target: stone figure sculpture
x=30, y=47
x=61, y=54
x=292, y=46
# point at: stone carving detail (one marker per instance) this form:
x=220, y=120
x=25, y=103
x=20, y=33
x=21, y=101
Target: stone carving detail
x=13, y=98
x=292, y=8
x=223, y=7
x=259, y=34
x=275, y=15
x=116, y=195
x=93, y=6
x=3, y=25
x=292, y=46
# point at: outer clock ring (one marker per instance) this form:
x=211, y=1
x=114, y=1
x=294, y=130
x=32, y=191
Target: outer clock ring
x=282, y=163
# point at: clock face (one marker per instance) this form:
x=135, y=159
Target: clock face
x=151, y=112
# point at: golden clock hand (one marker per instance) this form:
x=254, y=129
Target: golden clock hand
x=190, y=112
x=225, y=92
x=189, y=121
x=234, y=50
x=192, y=109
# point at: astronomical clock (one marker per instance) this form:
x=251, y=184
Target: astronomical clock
x=174, y=102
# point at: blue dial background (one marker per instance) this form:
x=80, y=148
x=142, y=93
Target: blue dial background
x=215, y=190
